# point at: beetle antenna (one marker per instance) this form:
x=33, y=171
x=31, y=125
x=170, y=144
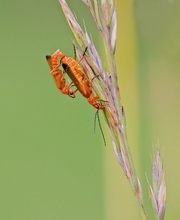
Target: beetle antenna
x=97, y=116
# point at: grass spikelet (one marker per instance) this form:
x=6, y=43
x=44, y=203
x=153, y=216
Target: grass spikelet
x=157, y=193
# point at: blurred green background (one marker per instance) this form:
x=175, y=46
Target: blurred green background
x=52, y=166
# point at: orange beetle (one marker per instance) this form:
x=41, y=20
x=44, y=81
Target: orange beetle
x=58, y=75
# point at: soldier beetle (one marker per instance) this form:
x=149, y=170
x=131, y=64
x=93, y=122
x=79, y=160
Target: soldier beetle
x=58, y=75
x=75, y=73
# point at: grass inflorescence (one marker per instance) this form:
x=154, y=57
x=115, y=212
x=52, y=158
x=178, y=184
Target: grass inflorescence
x=107, y=88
